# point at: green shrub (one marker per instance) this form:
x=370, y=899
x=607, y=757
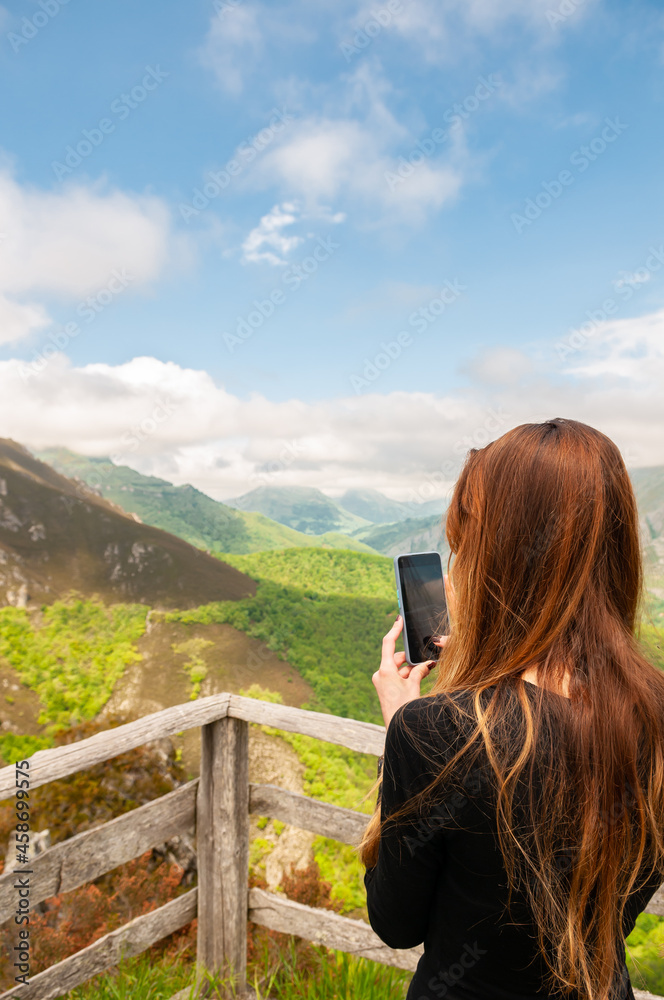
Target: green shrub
x=645, y=954
x=13, y=747
x=74, y=655
x=195, y=665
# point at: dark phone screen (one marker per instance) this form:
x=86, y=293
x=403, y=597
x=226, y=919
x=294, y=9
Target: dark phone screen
x=424, y=608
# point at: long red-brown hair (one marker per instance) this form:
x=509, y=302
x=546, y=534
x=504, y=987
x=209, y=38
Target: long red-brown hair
x=546, y=567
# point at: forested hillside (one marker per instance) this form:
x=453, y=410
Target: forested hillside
x=186, y=511
x=300, y=507
x=302, y=625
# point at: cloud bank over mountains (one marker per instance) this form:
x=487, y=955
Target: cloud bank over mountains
x=178, y=423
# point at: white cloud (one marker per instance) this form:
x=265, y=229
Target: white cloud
x=445, y=31
x=346, y=150
x=267, y=243
x=233, y=45
x=327, y=160
x=626, y=350
x=316, y=158
x=179, y=424
x=16, y=320
x=500, y=366
x=66, y=244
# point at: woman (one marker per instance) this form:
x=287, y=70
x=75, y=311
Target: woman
x=521, y=818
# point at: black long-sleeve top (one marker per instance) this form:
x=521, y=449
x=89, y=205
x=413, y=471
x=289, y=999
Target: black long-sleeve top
x=440, y=877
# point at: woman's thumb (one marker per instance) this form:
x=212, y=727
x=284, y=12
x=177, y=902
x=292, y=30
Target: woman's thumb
x=422, y=670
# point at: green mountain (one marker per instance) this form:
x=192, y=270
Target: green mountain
x=299, y=507
x=285, y=517
x=376, y=507
x=649, y=489
x=421, y=534
x=185, y=511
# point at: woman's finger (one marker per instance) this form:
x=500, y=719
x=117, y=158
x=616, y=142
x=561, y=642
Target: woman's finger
x=389, y=643
x=391, y=637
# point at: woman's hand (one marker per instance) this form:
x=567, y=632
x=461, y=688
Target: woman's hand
x=395, y=681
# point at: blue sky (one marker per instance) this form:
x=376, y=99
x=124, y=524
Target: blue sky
x=417, y=204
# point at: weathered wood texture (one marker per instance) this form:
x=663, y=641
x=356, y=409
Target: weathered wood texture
x=218, y=805
x=222, y=834
x=88, y=855
x=344, y=825
x=326, y=928
x=49, y=765
x=125, y=942
x=362, y=736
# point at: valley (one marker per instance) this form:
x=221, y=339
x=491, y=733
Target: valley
x=121, y=594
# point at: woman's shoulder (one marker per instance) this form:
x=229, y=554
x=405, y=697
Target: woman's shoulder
x=437, y=719
x=451, y=705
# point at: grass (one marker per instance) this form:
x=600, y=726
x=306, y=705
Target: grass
x=334, y=976
x=138, y=978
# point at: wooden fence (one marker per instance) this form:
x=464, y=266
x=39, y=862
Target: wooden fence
x=216, y=806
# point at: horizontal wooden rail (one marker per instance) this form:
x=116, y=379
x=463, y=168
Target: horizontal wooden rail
x=217, y=813
x=60, y=762
x=127, y=941
x=88, y=855
x=365, y=737
x=327, y=928
x=344, y=825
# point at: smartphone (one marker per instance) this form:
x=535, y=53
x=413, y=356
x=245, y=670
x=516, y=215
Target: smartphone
x=421, y=594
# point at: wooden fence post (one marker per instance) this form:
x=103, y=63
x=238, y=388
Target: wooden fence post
x=222, y=832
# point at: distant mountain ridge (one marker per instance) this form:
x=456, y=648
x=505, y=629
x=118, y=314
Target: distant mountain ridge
x=379, y=509
x=417, y=534
x=312, y=511
x=649, y=488
x=302, y=508
x=273, y=517
x=265, y=518
x=186, y=511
